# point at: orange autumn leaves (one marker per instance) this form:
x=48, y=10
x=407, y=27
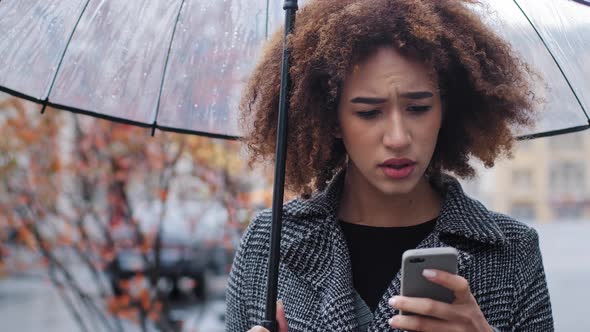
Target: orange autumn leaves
x=135, y=302
x=69, y=181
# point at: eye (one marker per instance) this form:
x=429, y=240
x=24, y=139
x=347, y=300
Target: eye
x=419, y=108
x=368, y=114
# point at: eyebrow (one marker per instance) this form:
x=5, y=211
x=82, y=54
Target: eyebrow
x=417, y=95
x=368, y=100
x=408, y=95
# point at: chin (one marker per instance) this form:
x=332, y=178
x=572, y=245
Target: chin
x=397, y=187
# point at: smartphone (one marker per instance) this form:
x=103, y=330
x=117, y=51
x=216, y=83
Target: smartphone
x=415, y=261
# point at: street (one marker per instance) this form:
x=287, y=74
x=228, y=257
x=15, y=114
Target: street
x=567, y=265
x=31, y=304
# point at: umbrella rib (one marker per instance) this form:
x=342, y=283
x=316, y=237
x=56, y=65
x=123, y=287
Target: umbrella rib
x=554, y=132
x=21, y=95
x=115, y=119
x=199, y=133
x=155, y=124
x=63, y=56
x=554, y=60
x=266, y=23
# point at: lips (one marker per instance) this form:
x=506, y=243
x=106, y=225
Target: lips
x=397, y=163
x=398, y=168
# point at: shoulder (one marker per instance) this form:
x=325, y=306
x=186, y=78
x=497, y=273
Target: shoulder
x=260, y=223
x=521, y=242
x=294, y=211
x=465, y=216
x=517, y=235
x=297, y=221
x=256, y=237
x=512, y=229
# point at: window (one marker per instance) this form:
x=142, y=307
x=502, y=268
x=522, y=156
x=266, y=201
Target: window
x=523, y=211
x=522, y=179
x=567, y=178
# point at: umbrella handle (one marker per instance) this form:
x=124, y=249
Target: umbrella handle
x=270, y=323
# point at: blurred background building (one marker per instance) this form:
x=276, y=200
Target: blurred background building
x=546, y=181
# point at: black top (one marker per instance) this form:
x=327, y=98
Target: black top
x=372, y=271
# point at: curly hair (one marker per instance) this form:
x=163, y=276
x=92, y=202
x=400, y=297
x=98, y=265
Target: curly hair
x=485, y=87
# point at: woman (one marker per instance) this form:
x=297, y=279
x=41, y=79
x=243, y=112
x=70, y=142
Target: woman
x=388, y=98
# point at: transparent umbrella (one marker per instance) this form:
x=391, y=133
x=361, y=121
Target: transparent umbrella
x=179, y=65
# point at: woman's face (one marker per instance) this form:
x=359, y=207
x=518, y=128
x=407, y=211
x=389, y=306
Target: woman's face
x=389, y=116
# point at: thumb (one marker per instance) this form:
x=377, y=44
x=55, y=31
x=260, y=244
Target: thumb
x=281, y=319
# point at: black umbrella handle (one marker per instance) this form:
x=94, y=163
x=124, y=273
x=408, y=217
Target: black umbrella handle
x=270, y=323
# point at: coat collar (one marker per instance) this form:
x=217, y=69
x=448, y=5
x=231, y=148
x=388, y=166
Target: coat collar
x=460, y=215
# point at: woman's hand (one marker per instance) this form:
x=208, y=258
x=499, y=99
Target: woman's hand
x=461, y=315
x=280, y=318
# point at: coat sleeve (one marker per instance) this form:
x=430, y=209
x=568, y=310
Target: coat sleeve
x=532, y=308
x=236, y=314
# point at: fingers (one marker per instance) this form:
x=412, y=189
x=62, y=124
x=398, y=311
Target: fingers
x=422, y=306
x=417, y=323
x=456, y=283
x=281, y=319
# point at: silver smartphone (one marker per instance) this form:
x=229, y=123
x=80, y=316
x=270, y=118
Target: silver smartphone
x=415, y=261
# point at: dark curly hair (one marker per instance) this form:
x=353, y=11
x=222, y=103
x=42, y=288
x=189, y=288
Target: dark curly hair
x=485, y=87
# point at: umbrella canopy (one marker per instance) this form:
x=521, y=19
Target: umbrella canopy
x=554, y=37
x=179, y=65
x=169, y=64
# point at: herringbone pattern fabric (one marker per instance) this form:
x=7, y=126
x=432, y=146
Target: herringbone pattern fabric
x=499, y=257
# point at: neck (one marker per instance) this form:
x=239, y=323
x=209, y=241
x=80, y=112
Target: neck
x=362, y=203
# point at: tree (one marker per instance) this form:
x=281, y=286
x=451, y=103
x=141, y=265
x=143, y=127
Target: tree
x=68, y=183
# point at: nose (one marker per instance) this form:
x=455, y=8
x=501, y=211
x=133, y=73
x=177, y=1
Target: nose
x=397, y=134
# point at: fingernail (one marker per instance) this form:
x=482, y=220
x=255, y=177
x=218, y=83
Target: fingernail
x=280, y=303
x=390, y=321
x=429, y=273
x=392, y=301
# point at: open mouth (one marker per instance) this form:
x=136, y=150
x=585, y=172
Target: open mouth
x=398, y=171
x=397, y=166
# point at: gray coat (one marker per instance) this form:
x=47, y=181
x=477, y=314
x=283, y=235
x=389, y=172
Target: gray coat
x=499, y=257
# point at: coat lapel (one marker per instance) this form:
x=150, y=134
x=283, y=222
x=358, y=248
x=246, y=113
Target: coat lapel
x=321, y=259
x=319, y=255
